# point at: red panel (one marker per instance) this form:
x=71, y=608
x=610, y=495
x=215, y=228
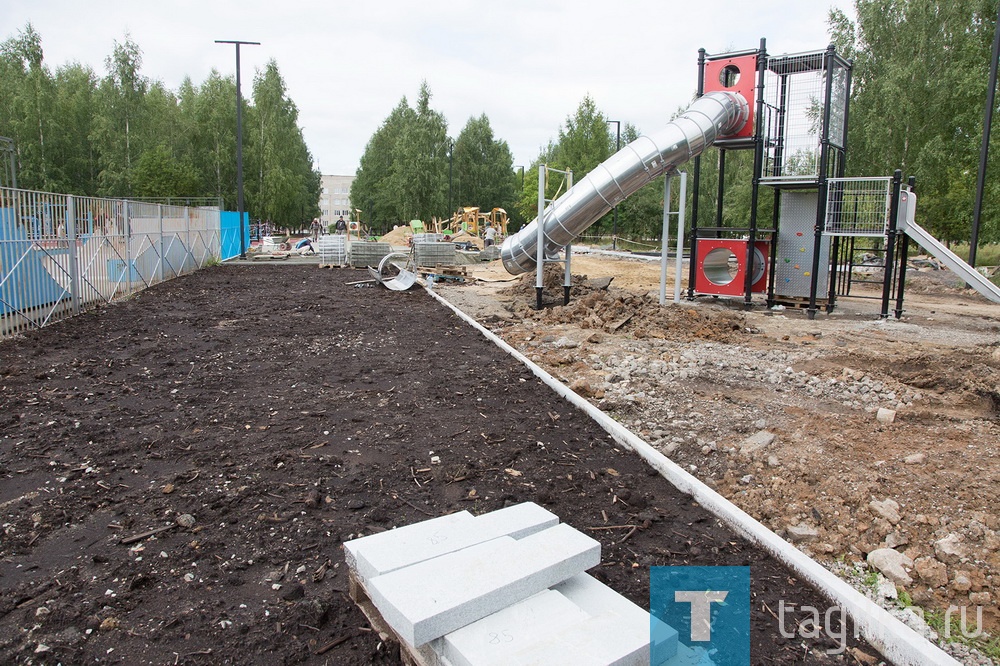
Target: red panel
x=719, y=73
x=716, y=278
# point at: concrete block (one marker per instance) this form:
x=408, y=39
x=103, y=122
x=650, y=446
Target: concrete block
x=597, y=641
x=437, y=596
x=497, y=637
x=418, y=538
x=388, y=551
x=596, y=598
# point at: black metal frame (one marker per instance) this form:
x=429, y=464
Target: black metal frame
x=832, y=162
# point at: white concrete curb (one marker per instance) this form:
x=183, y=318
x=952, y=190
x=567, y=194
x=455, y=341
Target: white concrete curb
x=897, y=642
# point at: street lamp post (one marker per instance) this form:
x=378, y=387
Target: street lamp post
x=618, y=146
x=521, y=169
x=239, y=143
x=451, y=152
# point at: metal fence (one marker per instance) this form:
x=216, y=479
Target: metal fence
x=61, y=254
x=858, y=206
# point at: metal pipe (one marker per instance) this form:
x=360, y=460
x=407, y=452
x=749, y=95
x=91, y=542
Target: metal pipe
x=711, y=116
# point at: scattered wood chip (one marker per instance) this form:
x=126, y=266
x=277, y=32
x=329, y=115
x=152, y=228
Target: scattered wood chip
x=513, y=472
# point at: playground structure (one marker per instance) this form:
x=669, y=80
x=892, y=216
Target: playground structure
x=472, y=220
x=791, y=111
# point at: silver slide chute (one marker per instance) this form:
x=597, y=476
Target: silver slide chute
x=714, y=115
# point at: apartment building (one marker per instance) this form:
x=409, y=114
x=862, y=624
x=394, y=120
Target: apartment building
x=335, y=198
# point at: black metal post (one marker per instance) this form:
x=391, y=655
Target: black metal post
x=824, y=161
x=618, y=146
x=904, y=251
x=695, y=188
x=890, y=244
x=984, y=148
x=451, y=153
x=758, y=166
x=239, y=143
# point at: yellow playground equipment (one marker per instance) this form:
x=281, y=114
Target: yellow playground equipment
x=472, y=220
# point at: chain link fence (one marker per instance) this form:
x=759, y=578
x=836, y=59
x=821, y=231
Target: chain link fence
x=61, y=254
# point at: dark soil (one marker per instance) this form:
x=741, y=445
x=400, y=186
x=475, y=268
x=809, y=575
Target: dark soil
x=285, y=412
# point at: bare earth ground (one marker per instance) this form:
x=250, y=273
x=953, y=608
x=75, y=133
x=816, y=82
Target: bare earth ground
x=709, y=384
x=178, y=471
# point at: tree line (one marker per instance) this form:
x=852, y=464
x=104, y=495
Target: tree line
x=126, y=135
x=920, y=73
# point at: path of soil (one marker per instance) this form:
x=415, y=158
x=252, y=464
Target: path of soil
x=178, y=471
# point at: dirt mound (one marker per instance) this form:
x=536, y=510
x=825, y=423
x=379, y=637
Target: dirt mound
x=641, y=315
x=399, y=236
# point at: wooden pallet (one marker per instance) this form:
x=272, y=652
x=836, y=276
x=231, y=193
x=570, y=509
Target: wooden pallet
x=441, y=269
x=801, y=303
x=409, y=655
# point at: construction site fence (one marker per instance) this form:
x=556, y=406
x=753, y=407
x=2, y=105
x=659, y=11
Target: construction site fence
x=62, y=254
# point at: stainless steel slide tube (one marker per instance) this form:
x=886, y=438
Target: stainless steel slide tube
x=713, y=115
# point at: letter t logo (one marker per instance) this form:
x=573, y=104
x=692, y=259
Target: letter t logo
x=701, y=616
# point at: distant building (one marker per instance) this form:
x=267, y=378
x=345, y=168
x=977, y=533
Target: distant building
x=335, y=198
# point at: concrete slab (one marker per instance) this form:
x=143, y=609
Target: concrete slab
x=437, y=596
x=381, y=553
x=596, y=598
x=416, y=538
x=497, y=637
x=597, y=641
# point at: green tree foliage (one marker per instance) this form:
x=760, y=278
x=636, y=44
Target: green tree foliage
x=372, y=189
x=482, y=174
x=126, y=135
x=919, y=84
x=420, y=174
x=284, y=187
x=27, y=93
x=403, y=173
x=159, y=174
x=120, y=99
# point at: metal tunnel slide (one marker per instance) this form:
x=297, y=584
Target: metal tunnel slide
x=714, y=115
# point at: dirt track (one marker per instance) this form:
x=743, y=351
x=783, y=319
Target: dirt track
x=179, y=470
x=710, y=384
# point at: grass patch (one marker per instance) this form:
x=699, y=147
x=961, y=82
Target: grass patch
x=952, y=633
x=986, y=255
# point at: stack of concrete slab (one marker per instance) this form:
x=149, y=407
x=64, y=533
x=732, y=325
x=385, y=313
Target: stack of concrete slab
x=506, y=587
x=432, y=254
x=332, y=250
x=368, y=253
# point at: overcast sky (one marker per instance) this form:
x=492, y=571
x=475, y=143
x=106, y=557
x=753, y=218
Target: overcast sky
x=526, y=64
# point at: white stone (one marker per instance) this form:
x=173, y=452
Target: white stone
x=950, y=549
x=596, y=598
x=759, y=440
x=495, y=638
x=915, y=458
x=888, y=509
x=801, y=533
x=892, y=564
x=437, y=596
x=391, y=550
x=885, y=416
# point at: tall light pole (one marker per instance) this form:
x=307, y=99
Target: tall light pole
x=239, y=143
x=521, y=169
x=984, y=148
x=451, y=152
x=618, y=146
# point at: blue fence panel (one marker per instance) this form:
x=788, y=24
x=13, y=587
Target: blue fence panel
x=230, y=232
